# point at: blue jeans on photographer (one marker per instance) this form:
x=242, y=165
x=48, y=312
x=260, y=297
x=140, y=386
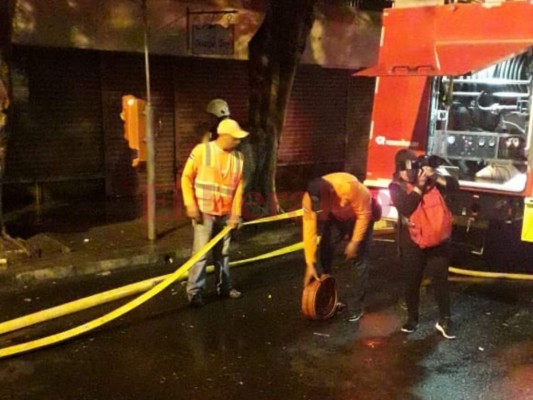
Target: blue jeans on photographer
x=210, y=226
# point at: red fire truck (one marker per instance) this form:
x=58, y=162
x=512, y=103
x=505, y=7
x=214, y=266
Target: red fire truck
x=456, y=81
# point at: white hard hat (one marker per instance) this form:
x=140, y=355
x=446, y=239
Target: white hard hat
x=218, y=108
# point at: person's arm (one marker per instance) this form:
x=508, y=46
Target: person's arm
x=362, y=207
x=405, y=203
x=444, y=183
x=309, y=227
x=449, y=183
x=236, y=205
x=187, y=183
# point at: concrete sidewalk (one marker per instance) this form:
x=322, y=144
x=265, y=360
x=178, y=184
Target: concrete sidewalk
x=84, y=239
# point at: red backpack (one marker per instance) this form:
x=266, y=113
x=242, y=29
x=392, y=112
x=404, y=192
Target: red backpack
x=431, y=223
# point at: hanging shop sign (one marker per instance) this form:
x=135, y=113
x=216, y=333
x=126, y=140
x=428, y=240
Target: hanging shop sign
x=211, y=32
x=212, y=40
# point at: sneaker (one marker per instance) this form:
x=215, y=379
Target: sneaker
x=357, y=316
x=444, y=326
x=231, y=294
x=410, y=326
x=340, y=307
x=196, y=301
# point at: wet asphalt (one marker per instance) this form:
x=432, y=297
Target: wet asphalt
x=260, y=347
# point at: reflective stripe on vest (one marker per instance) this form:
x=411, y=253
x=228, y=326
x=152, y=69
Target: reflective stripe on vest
x=215, y=184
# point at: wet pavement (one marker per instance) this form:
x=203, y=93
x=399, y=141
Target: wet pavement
x=260, y=347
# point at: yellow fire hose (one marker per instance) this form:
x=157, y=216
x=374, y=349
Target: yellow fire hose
x=142, y=286
x=179, y=273
x=492, y=275
x=154, y=287
x=70, y=333
x=117, y=294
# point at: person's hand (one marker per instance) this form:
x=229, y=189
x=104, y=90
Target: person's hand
x=234, y=222
x=351, y=250
x=428, y=171
x=194, y=213
x=422, y=179
x=432, y=177
x=310, y=274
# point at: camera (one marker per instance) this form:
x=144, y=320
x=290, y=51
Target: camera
x=427, y=161
x=419, y=162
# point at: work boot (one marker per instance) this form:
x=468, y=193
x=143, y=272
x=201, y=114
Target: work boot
x=231, y=294
x=196, y=301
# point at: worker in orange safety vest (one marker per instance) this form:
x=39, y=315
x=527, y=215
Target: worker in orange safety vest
x=336, y=206
x=212, y=187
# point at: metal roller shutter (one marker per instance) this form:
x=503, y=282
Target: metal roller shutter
x=361, y=97
x=163, y=103
x=125, y=74
x=196, y=83
x=121, y=75
x=315, y=125
x=58, y=117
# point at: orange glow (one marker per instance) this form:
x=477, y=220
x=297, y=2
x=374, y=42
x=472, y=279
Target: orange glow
x=373, y=342
x=134, y=126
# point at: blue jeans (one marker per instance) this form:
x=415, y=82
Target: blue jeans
x=203, y=232
x=333, y=231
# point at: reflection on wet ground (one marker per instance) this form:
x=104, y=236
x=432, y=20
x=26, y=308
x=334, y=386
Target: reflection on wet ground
x=260, y=347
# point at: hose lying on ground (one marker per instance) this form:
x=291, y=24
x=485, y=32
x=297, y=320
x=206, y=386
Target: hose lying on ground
x=179, y=273
x=492, y=275
x=117, y=294
x=154, y=287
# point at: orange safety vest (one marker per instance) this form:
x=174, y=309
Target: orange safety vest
x=215, y=184
x=359, y=208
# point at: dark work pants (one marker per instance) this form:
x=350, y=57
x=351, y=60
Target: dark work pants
x=333, y=232
x=436, y=261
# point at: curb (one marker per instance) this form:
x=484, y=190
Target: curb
x=98, y=267
x=157, y=256
x=93, y=267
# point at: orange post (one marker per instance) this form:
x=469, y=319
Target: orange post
x=133, y=115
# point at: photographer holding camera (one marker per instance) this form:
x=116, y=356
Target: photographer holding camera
x=417, y=190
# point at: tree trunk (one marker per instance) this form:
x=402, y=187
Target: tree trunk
x=274, y=54
x=7, y=8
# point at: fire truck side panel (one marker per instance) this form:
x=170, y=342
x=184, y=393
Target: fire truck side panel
x=452, y=39
x=400, y=119
x=456, y=81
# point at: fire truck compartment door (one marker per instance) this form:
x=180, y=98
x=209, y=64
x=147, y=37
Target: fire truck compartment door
x=451, y=39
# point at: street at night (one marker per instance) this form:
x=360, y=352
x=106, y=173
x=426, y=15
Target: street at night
x=261, y=347
x=258, y=135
